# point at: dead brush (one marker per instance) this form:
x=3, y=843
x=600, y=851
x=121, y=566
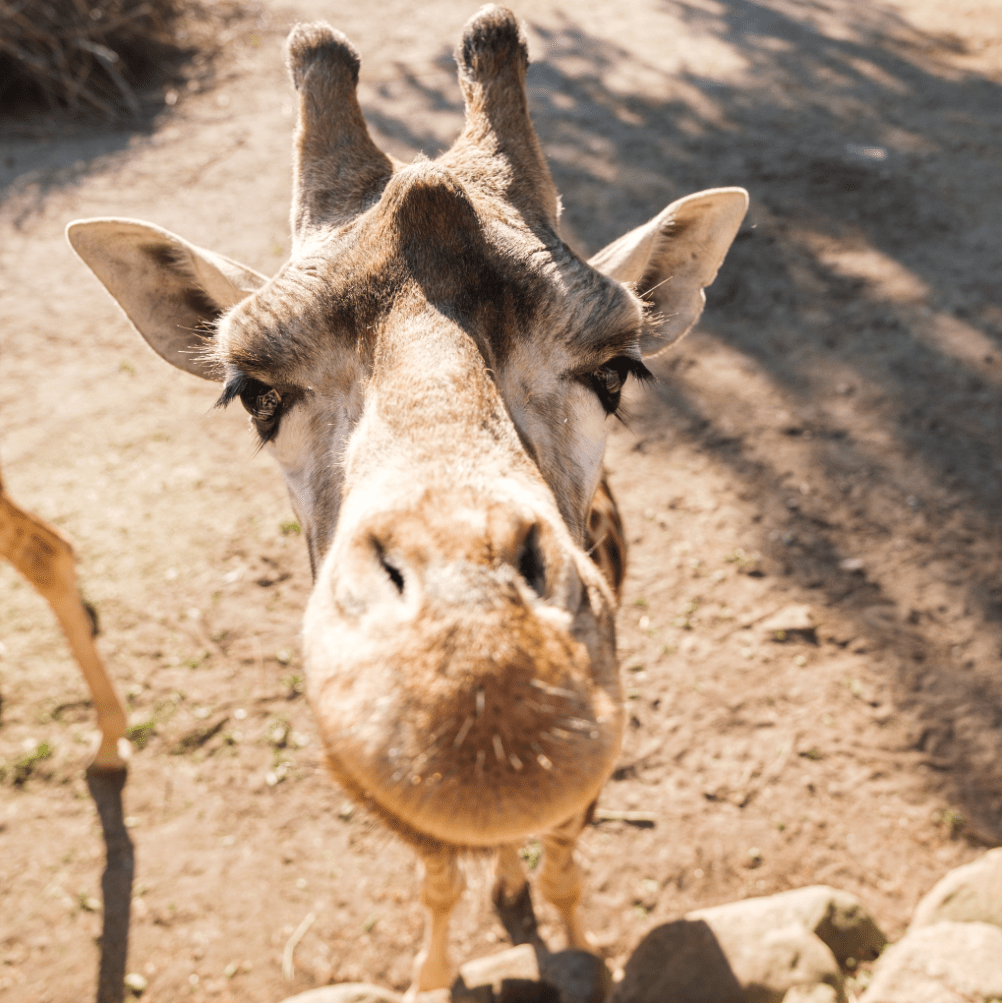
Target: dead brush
x=91, y=55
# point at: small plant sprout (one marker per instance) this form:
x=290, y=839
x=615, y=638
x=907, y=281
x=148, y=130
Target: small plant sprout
x=532, y=853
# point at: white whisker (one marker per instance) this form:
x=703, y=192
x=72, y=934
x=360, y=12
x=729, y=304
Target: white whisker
x=462, y=733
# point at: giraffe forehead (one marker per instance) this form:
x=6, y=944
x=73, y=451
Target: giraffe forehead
x=429, y=241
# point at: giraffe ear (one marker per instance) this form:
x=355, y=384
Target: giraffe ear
x=672, y=258
x=172, y=291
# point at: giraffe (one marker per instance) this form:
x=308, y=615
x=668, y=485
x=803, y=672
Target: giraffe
x=44, y=556
x=433, y=370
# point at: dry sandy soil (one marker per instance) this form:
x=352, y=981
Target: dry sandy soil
x=829, y=436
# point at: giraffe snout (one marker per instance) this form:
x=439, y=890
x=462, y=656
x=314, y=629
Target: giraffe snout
x=496, y=554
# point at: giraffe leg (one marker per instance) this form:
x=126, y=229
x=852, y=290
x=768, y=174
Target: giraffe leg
x=441, y=887
x=509, y=879
x=44, y=556
x=512, y=898
x=560, y=880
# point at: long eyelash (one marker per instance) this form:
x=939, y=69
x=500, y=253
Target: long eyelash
x=624, y=416
x=268, y=435
x=644, y=377
x=234, y=386
x=639, y=371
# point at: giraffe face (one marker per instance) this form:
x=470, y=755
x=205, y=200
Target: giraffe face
x=433, y=370
x=438, y=408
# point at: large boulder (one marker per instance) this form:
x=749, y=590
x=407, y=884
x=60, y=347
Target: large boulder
x=789, y=946
x=693, y=961
x=941, y=963
x=839, y=919
x=972, y=893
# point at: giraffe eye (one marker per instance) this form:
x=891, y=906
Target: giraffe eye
x=608, y=381
x=263, y=404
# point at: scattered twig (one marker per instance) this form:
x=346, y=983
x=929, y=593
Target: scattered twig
x=197, y=738
x=644, y=819
x=288, y=969
x=79, y=55
x=110, y=61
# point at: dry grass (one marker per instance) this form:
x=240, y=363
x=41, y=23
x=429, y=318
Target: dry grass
x=93, y=56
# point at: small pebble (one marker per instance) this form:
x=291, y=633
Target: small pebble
x=136, y=983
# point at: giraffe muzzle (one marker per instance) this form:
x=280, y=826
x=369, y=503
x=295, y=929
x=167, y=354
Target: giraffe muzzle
x=460, y=667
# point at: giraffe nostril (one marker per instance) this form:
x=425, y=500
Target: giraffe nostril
x=394, y=573
x=531, y=565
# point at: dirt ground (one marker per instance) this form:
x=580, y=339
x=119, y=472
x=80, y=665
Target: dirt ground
x=829, y=436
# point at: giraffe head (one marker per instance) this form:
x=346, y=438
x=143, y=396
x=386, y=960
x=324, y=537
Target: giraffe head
x=433, y=370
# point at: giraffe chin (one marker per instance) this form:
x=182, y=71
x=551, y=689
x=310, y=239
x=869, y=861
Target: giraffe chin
x=501, y=790
x=465, y=814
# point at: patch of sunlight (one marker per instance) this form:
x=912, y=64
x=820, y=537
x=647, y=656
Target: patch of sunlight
x=888, y=279
x=959, y=340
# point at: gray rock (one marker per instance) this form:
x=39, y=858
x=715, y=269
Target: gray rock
x=942, y=963
x=791, y=621
x=820, y=993
x=511, y=976
x=839, y=919
x=347, y=992
x=515, y=963
x=695, y=961
x=770, y=963
x=972, y=893
x=528, y=974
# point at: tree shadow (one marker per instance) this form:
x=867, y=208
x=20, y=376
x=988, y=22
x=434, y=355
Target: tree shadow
x=44, y=154
x=46, y=146
x=863, y=293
